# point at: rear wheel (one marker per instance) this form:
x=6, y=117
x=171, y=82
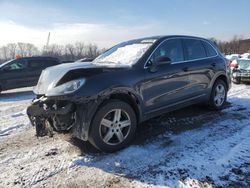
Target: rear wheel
x=113, y=126
x=219, y=95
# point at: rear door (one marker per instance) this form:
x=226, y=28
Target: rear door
x=201, y=65
x=36, y=66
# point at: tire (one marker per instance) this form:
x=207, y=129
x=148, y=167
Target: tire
x=218, y=95
x=110, y=131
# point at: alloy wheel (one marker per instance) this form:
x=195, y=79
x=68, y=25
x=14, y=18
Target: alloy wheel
x=220, y=95
x=115, y=127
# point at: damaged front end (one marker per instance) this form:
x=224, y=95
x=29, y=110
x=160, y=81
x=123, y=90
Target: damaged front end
x=51, y=115
x=57, y=106
x=62, y=115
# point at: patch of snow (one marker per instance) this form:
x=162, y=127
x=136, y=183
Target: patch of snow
x=232, y=57
x=245, y=56
x=13, y=104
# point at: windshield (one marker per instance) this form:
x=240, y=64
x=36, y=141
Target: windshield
x=126, y=53
x=5, y=63
x=244, y=64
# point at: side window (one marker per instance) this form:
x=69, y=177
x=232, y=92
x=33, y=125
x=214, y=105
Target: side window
x=36, y=63
x=171, y=48
x=209, y=49
x=16, y=65
x=194, y=49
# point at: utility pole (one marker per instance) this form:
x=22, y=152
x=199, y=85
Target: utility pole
x=47, y=44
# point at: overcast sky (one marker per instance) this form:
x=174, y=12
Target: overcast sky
x=106, y=22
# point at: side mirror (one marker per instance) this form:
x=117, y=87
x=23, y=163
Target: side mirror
x=162, y=60
x=159, y=61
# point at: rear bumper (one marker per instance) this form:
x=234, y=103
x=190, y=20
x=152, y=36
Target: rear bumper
x=62, y=115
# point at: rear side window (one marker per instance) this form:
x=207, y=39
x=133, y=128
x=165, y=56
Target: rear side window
x=209, y=49
x=194, y=49
x=36, y=63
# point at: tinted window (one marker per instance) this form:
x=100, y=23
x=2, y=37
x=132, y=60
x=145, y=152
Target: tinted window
x=209, y=49
x=171, y=48
x=16, y=65
x=36, y=63
x=194, y=49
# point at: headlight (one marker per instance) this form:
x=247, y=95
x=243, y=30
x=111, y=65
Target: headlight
x=66, y=88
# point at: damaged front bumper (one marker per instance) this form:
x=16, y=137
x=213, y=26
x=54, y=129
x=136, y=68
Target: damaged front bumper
x=61, y=115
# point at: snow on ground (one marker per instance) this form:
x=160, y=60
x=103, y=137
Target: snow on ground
x=13, y=110
x=187, y=148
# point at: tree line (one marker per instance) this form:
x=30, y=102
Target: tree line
x=237, y=45
x=67, y=52
x=78, y=50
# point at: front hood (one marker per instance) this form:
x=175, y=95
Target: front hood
x=52, y=75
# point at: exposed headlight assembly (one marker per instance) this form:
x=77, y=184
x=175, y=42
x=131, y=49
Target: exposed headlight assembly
x=66, y=88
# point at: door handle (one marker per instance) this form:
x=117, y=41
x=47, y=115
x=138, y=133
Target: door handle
x=185, y=69
x=213, y=64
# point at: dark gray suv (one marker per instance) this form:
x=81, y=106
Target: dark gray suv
x=23, y=72
x=103, y=101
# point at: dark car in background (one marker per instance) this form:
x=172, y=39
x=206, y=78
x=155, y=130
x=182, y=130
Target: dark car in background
x=23, y=72
x=240, y=70
x=103, y=101
x=85, y=60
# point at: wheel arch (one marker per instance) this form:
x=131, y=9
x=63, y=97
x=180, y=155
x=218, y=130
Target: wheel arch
x=126, y=96
x=129, y=98
x=223, y=77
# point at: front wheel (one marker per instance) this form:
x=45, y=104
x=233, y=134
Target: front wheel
x=113, y=126
x=219, y=95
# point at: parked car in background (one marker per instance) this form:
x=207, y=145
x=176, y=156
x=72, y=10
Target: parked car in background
x=85, y=60
x=23, y=72
x=245, y=56
x=240, y=70
x=67, y=61
x=232, y=57
x=105, y=100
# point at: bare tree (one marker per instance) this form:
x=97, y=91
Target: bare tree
x=4, y=53
x=79, y=49
x=12, y=47
x=70, y=49
x=31, y=49
x=71, y=52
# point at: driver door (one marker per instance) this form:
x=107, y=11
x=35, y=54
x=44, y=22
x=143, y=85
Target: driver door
x=169, y=85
